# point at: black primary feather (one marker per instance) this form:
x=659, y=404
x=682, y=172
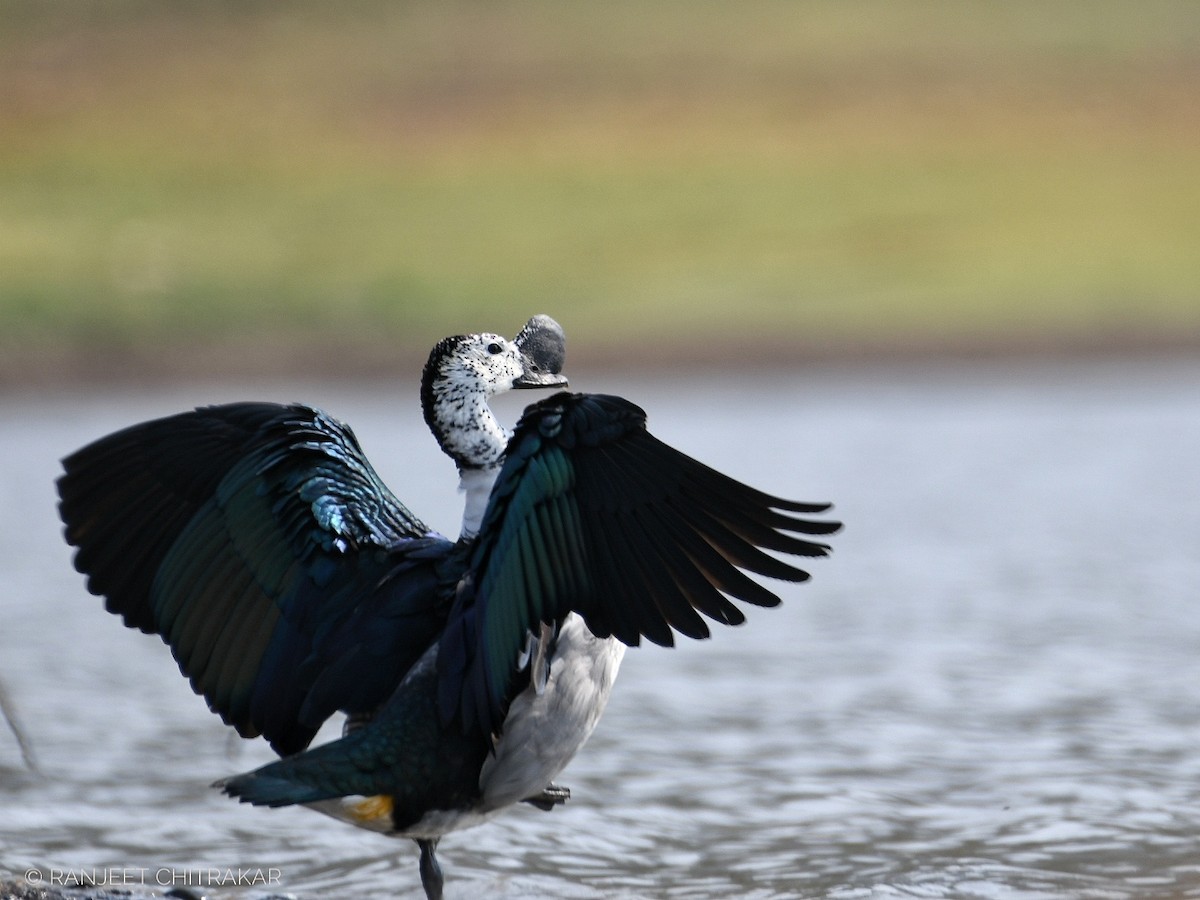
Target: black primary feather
x=593, y=514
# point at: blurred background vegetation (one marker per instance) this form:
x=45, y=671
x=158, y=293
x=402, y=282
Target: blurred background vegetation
x=191, y=186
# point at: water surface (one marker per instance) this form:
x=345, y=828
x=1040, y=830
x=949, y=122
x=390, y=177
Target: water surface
x=991, y=690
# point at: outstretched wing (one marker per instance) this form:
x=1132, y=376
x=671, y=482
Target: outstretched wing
x=259, y=543
x=593, y=514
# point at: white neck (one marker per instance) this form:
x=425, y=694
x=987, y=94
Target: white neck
x=477, y=485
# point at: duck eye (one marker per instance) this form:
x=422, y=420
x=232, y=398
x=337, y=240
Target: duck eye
x=494, y=348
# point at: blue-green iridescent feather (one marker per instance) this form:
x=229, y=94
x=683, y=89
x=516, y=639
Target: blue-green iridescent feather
x=259, y=543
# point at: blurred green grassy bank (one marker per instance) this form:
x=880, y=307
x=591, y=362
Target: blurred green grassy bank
x=331, y=184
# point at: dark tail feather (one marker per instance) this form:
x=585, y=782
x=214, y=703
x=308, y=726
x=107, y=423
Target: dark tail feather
x=264, y=787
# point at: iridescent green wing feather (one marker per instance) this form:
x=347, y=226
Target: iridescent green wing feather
x=592, y=514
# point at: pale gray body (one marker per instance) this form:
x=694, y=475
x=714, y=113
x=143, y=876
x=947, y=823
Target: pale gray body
x=546, y=726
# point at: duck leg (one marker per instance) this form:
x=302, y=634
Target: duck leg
x=431, y=872
x=552, y=796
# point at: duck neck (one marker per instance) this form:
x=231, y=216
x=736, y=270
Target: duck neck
x=467, y=430
x=477, y=485
x=471, y=435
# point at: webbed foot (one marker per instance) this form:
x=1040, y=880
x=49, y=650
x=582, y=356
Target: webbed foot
x=554, y=795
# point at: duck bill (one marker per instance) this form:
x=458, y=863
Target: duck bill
x=532, y=379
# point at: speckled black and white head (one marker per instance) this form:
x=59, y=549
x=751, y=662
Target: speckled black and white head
x=466, y=370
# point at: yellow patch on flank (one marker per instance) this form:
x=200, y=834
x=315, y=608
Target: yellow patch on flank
x=372, y=808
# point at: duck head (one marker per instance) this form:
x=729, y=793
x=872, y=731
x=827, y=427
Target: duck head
x=465, y=371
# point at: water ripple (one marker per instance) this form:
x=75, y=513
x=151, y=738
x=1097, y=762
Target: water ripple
x=989, y=692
